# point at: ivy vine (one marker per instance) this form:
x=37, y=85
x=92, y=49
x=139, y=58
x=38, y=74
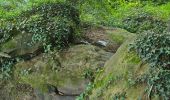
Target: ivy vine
x=52, y=24
x=154, y=48
x=141, y=21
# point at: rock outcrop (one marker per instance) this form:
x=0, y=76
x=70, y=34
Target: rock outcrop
x=118, y=79
x=63, y=70
x=60, y=75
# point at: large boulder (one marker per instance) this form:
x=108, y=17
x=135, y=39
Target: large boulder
x=119, y=79
x=63, y=70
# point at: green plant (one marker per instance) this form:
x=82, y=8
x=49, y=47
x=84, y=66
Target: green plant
x=50, y=23
x=154, y=49
x=119, y=96
x=89, y=74
x=54, y=24
x=6, y=70
x=158, y=83
x=143, y=21
x=6, y=67
x=7, y=29
x=84, y=95
x=155, y=2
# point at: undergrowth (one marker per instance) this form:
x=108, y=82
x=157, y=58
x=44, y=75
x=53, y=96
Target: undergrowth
x=140, y=21
x=56, y=24
x=52, y=25
x=154, y=48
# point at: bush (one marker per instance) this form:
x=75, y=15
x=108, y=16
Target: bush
x=158, y=82
x=7, y=28
x=140, y=22
x=154, y=49
x=51, y=24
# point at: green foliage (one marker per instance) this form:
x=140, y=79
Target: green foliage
x=89, y=74
x=6, y=70
x=114, y=12
x=51, y=24
x=155, y=2
x=158, y=83
x=140, y=22
x=7, y=28
x=84, y=95
x=6, y=67
x=154, y=49
x=119, y=96
x=94, y=11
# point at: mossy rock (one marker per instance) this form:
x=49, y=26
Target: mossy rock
x=118, y=79
x=63, y=70
x=19, y=45
x=11, y=90
x=119, y=35
x=113, y=37
x=51, y=24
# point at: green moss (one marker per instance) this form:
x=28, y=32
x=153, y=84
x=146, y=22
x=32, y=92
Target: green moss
x=45, y=75
x=133, y=57
x=35, y=81
x=119, y=76
x=9, y=45
x=118, y=38
x=119, y=35
x=63, y=69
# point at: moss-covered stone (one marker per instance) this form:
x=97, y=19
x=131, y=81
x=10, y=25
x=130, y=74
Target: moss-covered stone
x=112, y=37
x=119, y=76
x=19, y=45
x=11, y=90
x=9, y=45
x=118, y=35
x=64, y=69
